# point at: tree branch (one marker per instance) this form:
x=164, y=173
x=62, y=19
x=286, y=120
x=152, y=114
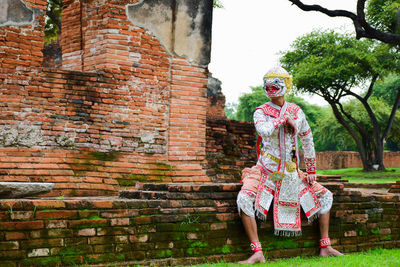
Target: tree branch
x=331, y=13
x=371, y=86
x=361, y=130
x=393, y=113
x=362, y=27
x=371, y=115
x=346, y=125
x=56, y=20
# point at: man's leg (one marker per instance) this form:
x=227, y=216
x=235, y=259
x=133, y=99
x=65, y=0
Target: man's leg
x=250, y=226
x=324, y=230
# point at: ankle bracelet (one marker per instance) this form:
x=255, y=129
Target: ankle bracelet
x=256, y=246
x=325, y=242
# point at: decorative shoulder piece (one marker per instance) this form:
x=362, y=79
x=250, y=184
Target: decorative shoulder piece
x=325, y=242
x=270, y=111
x=293, y=109
x=256, y=246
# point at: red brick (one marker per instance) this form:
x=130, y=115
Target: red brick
x=56, y=214
x=22, y=225
x=15, y=235
x=120, y=221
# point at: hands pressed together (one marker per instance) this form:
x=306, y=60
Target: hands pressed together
x=290, y=124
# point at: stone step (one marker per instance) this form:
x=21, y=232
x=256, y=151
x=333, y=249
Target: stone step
x=395, y=188
x=140, y=194
x=369, y=185
x=330, y=178
x=189, y=187
x=171, y=191
x=332, y=186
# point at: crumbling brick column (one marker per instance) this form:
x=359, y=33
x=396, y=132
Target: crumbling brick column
x=71, y=35
x=21, y=36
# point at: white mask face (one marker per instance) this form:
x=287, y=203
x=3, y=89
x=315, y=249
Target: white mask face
x=274, y=87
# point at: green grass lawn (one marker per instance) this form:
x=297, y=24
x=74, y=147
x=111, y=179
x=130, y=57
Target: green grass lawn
x=356, y=175
x=378, y=258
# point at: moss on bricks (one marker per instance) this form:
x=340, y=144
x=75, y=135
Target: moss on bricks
x=131, y=180
x=74, y=251
x=308, y=244
x=98, y=258
x=226, y=249
x=375, y=231
x=189, y=227
x=281, y=243
x=71, y=260
x=163, y=253
x=199, y=244
x=386, y=238
x=105, y=156
x=168, y=227
x=42, y=261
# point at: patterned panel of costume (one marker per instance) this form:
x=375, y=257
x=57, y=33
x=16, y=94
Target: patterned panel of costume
x=276, y=177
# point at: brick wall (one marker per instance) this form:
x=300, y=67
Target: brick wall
x=348, y=159
x=121, y=108
x=231, y=146
x=169, y=224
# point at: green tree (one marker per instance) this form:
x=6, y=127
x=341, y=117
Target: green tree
x=377, y=21
x=53, y=20
x=329, y=135
x=382, y=14
x=230, y=110
x=386, y=89
x=250, y=101
x=217, y=3
x=333, y=66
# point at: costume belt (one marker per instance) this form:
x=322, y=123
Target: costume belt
x=290, y=165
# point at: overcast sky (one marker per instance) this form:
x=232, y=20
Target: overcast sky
x=248, y=36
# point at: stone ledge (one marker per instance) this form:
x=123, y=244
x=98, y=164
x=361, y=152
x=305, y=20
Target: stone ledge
x=22, y=189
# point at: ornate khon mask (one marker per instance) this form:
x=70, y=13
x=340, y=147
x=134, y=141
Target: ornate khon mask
x=277, y=82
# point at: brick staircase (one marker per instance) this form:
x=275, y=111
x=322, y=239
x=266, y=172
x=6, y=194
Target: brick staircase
x=395, y=188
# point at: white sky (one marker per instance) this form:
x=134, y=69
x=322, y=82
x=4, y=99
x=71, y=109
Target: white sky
x=248, y=36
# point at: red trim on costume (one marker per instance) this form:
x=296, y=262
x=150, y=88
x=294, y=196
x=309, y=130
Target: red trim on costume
x=292, y=109
x=305, y=133
x=317, y=205
x=248, y=192
x=297, y=224
x=270, y=111
x=302, y=192
x=325, y=242
x=256, y=246
x=311, y=165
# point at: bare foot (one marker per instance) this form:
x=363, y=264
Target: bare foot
x=329, y=251
x=255, y=258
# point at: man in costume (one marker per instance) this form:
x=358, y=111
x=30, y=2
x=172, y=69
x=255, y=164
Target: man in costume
x=277, y=177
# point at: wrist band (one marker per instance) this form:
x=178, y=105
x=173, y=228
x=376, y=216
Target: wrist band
x=325, y=242
x=256, y=246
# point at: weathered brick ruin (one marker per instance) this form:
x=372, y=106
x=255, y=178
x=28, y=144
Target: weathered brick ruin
x=128, y=104
x=132, y=106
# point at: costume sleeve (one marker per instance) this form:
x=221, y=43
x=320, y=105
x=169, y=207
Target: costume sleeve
x=306, y=139
x=266, y=125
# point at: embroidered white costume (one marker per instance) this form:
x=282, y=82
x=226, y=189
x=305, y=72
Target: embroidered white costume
x=277, y=177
